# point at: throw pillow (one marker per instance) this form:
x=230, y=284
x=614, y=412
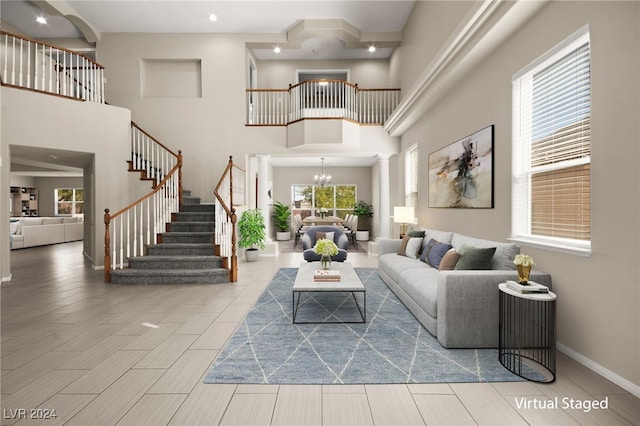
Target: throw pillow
x=449, y=260
x=475, y=258
x=325, y=235
x=402, y=250
x=413, y=247
x=415, y=234
x=427, y=248
x=437, y=252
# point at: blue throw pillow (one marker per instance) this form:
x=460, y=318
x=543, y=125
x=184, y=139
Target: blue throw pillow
x=433, y=252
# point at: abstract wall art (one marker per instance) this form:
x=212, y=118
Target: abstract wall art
x=461, y=173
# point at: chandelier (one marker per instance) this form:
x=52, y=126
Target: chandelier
x=322, y=179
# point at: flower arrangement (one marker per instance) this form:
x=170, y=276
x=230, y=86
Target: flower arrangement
x=323, y=211
x=325, y=247
x=523, y=260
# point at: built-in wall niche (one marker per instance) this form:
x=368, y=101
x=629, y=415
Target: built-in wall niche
x=171, y=78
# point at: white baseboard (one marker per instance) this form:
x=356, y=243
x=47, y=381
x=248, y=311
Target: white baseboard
x=604, y=372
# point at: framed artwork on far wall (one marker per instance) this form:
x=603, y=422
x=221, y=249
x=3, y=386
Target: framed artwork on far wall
x=461, y=173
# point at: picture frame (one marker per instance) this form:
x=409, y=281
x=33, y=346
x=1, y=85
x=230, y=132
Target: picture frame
x=461, y=173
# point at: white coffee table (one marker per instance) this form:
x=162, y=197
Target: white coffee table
x=349, y=283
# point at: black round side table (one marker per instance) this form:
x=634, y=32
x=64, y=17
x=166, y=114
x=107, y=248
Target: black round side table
x=527, y=330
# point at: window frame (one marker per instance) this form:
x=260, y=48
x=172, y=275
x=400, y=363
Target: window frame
x=74, y=201
x=333, y=211
x=411, y=176
x=522, y=169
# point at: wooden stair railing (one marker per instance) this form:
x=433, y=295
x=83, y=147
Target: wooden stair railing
x=128, y=231
x=225, y=239
x=38, y=66
x=149, y=156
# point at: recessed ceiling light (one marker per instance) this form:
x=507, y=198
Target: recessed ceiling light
x=276, y=49
x=372, y=49
x=41, y=20
x=213, y=18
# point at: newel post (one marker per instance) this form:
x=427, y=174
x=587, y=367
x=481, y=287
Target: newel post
x=107, y=247
x=179, y=180
x=233, y=271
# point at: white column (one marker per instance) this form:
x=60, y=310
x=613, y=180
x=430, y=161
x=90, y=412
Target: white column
x=263, y=191
x=384, y=213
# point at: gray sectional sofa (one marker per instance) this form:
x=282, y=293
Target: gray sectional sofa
x=459, y=307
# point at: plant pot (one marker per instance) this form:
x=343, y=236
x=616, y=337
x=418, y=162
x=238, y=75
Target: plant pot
x=251, y=254
x=362, y=235
x=283, y=236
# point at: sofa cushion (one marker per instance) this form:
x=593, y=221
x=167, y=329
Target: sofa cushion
x=402, y=250
x=13, y=227
x=422, y=286
x=503, y=257
x=449, y=260
x=51, y=220
x=441, y=236
x=393, y=265
x=30, y=221
x=474, y=258
x=72, y=219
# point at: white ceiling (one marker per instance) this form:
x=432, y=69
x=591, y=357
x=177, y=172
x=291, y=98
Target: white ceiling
x=371, y=20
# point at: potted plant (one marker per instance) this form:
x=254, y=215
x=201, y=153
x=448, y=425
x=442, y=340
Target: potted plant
x=281, y=215
x=251, y=231
x=364, y=211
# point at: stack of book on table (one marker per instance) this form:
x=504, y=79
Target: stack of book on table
x=528, y=288
x=326, y=275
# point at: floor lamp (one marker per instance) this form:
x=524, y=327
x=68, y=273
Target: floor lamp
x=403, y=215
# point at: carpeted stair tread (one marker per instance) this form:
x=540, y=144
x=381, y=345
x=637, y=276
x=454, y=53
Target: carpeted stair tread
x=191, y=227
x=171, y=249
x=175, y=262
x=198, y=208
x=195, y=217
x=170, y=276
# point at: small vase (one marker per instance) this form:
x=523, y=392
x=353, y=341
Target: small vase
x=523, y=274
x=325, y=262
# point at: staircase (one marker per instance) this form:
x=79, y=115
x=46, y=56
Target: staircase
x=184, y=254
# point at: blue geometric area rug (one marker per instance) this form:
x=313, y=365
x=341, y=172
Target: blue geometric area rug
x=391, y=347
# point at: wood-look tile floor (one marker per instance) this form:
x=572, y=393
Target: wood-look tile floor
x=99, y=354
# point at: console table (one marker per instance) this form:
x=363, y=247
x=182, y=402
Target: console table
x=527, y=334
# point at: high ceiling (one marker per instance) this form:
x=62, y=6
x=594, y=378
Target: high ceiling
x=303, y=29
x=335, y=29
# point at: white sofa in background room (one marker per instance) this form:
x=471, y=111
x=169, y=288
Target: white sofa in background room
x=39, y=231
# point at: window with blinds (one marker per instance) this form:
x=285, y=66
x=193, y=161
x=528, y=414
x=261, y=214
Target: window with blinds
x=411, y=177
x=552, y=147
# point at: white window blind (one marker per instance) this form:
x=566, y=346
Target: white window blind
x=411, y=177
x=552, y=147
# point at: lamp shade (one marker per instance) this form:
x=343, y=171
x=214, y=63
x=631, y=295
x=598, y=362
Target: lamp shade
x=403, y=214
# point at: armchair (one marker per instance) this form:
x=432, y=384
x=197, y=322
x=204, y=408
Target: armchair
x=309, y=240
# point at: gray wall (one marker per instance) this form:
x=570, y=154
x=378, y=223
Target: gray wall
x=598, y=296
x=368, y=74
x=46, y=187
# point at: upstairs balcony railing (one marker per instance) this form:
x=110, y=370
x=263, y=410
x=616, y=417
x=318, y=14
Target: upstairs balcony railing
x=42, y=67
x=317, y=99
